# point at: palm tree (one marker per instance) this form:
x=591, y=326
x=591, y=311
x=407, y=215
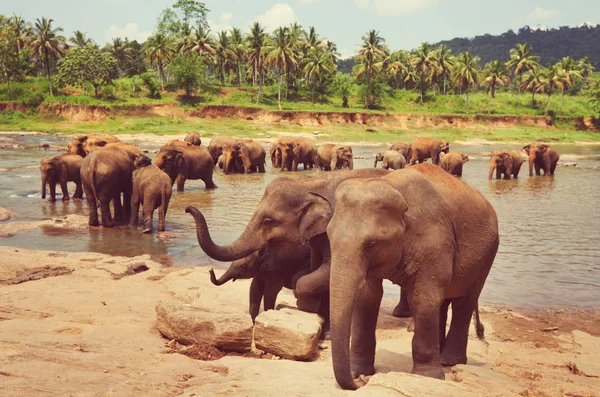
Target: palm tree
x=466, y=73
x=281, y=55
x=23, y=32
x=80, y=39
x=569, y=72
x=495, y=74
x=445, y=60
x=239, y=51
x=224, y=56
x=532, y=82
x=585, y=67
x=521, y=60
x=317, y=65
x=425, y=60
x=397, y=68
x=256, y=43
x=201, y=42
x=551, y=80
x=120, y=51
x=331, y=52
x=373, y=51
x=47, y=44
x=158, y=49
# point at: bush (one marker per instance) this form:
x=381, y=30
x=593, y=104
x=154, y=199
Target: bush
x=371, y=93
x=33, y=100
x=10, y=116
x=187, y=70
x=107, y=93
x=151, y=84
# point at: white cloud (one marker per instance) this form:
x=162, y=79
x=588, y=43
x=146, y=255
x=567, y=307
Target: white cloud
x=226, y=17
x=395, y=7
x=130, y=30
x=308, y=1
x=224, y=22
x=278, y=15
x=541, y=13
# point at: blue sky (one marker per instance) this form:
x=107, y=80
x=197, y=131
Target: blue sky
x=403, y=23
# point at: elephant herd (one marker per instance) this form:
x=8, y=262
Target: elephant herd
x=419, y=227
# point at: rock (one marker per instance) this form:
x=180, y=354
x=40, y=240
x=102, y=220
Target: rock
x=398, y=383
x=568, y=164
x=550, y=329
x=4, y=214
x=192, y=324
x=288, y=333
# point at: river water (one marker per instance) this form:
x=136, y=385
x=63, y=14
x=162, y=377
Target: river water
x=550, y=227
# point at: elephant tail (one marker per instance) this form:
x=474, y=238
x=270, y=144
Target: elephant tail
x=479, y=328
x=93, y=171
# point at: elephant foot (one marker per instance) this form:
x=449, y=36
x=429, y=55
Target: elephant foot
x=365, y=370
x=51, y=200
x=325, y=335
x=147, y=230
x=429, y=370
x=401, y=311
x=94, y=222
x=411, y=326
x=450, y=358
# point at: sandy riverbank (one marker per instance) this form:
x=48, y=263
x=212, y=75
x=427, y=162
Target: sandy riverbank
x=89, y=329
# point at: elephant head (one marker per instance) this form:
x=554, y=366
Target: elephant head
x=244, y=268
x=275, y=155
x=378, y=158
x=50, y=169
x=232, y=153
x=535, y=152
x=170, y=159
x=439, y=148
x=464, y=157
x=286, y=150
x=193, y=139
x=76, y=145
x=342, y=158
x=362, y=248
x=141, y=161
x=501, y=160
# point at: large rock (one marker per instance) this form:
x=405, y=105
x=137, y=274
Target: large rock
x=4, y=214
x=192, y=324
x=288, y=333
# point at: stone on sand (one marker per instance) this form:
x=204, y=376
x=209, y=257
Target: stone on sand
x=190, y=324
x=288, y=333
x=4, y=214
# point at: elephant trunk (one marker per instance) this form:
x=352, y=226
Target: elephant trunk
x=351, y=162
x=44, y=181
x=531, y=161
x=375, y=166
x=228, y=275
x=344, y=284
x=492, y=168
x=246, y=244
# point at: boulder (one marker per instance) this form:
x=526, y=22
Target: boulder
x=192, y=324
x=4, y=214
x=288, y=333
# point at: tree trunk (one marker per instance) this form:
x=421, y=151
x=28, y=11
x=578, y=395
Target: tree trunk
x=493, y=88
x=96, y=91
x=548, y=104
x=279, y=93
x=259, y=83
x=160, y=73
x=562, y=95
x=467, y=92
x=533, y=98
x=47, y=62
x=313, y=93
x=519, y=89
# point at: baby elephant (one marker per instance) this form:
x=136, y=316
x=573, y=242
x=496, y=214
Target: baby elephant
x=391, y=159
x=61, y=169
x=270, y=272
x=152, y=189
x=453, y=162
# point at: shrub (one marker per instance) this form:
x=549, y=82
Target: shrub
x=33, y=100
x=187, y=70
x=107, y=93
x=151, y=84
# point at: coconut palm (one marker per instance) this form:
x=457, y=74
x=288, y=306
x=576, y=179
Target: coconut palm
x=47, y=45
x=372, y=52
x=424, y=60
x=569, y=73
x=256, y=56
x=120, y=51
x=224, y=56
x=397, y=67
x=331, y=52
x=585, y=67
x=495, y=74
x=551, y=80
x=445, y=60
x=281, y=55
x=158, y=50
x=318, y=64
x=522, y=60
x=201, y=41
x=238, y=49
x=466, y=73
x=23, y=32
x=80, y=39
x=532, y=82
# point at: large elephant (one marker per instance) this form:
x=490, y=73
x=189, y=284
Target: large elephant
x=152, y=188
x=130, y=148
x=305, y=152
x=403, y=148
x=215, y=147
x=453, y=162
x=193, y=138
x=542, y=157
x=333, y=157
x=275, y=155
x=251, y=154
x=507, y=162
x=270, y=272
x=423, y=148
x=282, y=154
x=421, y=228
x=83, y=144
x=105, y=174
x=390, y=159
x=61, y=169
x=183, y=163
x=291, y=213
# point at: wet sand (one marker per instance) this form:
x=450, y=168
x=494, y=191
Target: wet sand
x=77, y=324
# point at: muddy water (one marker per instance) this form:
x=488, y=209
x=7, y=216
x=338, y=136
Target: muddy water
x=550, y=227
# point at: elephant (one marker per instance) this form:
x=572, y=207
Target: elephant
x=290, y=214
x=332, y=157
x=421, y=228
x=305, y=152
x=270, y=272
x=275, y=156
x=543, y=157
x=105, y=174
x=403, y=148
x=391, y=159
x=193, y=138
x=250, y=153
x=215, y=147
x=182, y=163
x=152, y=188
x=61, y=169
x=83, y=144
x=507, y=162
x=282, y=154
x=423, y=148
x=453, y=162
x=130, y=148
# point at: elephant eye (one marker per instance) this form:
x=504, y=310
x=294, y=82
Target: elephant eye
x=267, y=221
x=371, y=244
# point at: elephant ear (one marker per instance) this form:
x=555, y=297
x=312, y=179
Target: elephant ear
x=544, y=148
x=526, y=149
x=315, y=216
x=179, y=160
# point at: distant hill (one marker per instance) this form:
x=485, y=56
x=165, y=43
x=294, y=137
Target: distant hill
x=550, y=44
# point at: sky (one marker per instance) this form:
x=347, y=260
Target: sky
x=404, y=24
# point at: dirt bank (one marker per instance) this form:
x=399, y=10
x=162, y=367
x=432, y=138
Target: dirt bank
x=85, y=113
x=84, y=324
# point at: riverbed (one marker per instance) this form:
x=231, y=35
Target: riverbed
x=549, y=227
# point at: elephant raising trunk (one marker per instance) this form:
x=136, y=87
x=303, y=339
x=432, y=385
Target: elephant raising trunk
x=246, y=244
x=228, y=275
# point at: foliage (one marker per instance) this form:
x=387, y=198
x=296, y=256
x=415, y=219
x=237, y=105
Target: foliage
x=343, y=84
x=595, y=101
x=371, y=93
x=47, y=45
x=151, y=85
x=187, y=70
x=85, y=65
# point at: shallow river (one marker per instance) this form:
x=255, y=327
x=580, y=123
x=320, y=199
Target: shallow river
x=550, y=227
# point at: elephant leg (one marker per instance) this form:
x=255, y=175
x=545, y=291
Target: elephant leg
x=208, y=182
x=538, y=169
x=162, y=214
x=65, y=190
x=52, y=191
x=402, y=310
x=92, y=207
x=135, y=210
x=261, y=168
x=107, y=220
x=443, y=321
x=181, y=182
x=78, y=191
x=272, y=288
x=309, y=289
x=257, y=291
x=364, y=322
x=118, y=208
x=147, y=212
x=498, y=173
x=127, y=202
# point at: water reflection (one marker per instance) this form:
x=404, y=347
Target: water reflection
x=503, y=186
x=539, y=185
x=61, y=208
